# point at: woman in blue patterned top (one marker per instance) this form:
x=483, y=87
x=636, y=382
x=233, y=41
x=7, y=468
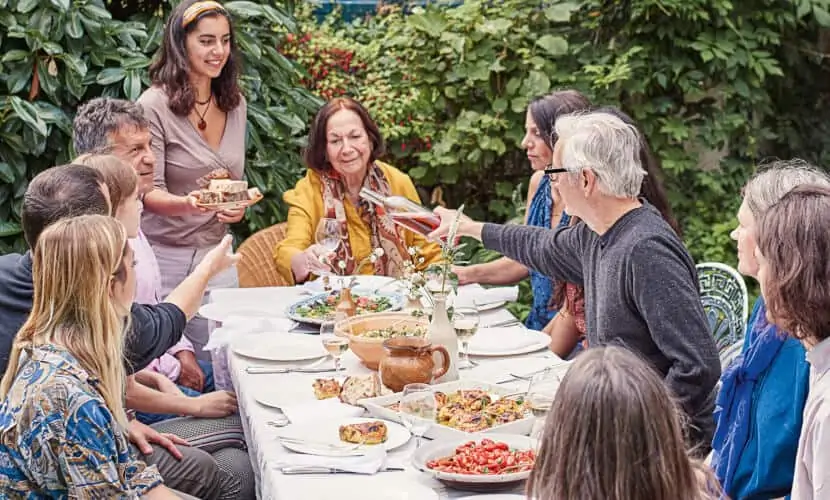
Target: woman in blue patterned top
x=758, y=414
x=62, y=420
x=544, y=209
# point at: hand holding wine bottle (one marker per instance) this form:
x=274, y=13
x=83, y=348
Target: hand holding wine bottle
x=466, y=225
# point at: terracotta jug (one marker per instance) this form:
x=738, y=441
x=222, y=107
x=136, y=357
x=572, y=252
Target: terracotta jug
x=409, y=360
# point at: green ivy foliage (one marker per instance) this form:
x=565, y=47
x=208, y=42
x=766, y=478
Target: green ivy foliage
x=717, y=86
x=57, y=54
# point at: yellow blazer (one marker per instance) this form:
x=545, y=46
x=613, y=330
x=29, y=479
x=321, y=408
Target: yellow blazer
x=305, y=203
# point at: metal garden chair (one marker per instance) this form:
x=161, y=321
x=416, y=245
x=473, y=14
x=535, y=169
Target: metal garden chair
x=726, y=303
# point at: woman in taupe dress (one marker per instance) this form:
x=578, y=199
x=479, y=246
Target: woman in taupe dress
x=197, y=119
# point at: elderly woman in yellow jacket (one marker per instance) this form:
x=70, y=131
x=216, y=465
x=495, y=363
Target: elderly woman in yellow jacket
x=343, y=147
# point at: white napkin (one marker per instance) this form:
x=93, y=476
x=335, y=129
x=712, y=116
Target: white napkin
x=325, y=409
x=237, y=325
x=373, y=461
x=496, y=340
x=470, y=295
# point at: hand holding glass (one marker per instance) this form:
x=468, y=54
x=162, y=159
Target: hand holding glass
x=328, y=237
x=418, y=409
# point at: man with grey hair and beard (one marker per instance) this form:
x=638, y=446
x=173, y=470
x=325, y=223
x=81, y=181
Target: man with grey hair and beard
x=118, y=127
x=640, y=282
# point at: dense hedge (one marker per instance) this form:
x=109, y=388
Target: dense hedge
x=59, y=53
x=717, y=86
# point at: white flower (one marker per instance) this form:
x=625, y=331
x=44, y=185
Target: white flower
x=342, y=264
x=379, y=252
x=412, y=251
x=322, y=258
x=373, y=258
x=421, y=260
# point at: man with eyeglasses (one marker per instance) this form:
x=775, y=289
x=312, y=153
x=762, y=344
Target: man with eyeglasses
x=640, y=282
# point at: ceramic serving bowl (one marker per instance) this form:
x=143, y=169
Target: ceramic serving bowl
x=370, y=349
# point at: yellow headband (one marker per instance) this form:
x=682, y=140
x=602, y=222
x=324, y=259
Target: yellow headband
x=198, y=9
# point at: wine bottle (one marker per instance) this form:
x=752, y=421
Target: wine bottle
x=403, y=211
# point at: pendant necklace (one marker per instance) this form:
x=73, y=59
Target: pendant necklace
x=202, y=123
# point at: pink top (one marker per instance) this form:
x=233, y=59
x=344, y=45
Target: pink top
x=148, y=291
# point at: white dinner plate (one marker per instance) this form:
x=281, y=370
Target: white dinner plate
x=327, y=432
x=279, y=346
x=221, y=311
x=517, y=340
x=363, y=282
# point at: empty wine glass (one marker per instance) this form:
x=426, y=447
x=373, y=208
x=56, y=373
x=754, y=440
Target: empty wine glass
x=418, y=409
x=327, y=236
x=465, y=321
x=334, y=344
x=540, y=395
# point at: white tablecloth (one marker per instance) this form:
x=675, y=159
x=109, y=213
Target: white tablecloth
x=264, y=448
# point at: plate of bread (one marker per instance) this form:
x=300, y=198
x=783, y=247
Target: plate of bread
x=350, y=390
x=352, y=435
x=220, y=192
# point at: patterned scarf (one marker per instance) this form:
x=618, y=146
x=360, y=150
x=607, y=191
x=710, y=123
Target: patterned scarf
x=385, y=234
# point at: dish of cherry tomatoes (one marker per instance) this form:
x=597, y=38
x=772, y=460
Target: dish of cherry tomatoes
x=485, y=457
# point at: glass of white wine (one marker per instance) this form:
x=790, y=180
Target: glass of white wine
x=465, y=321
x=334, y=344
x=540, y=396
x=418, y=409
x=327, y=236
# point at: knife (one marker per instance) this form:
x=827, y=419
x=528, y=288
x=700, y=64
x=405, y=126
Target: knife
x=254, y=370
x=313, y=469
x=509, y=322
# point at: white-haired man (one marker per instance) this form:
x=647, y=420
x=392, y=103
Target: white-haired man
x=640, y=282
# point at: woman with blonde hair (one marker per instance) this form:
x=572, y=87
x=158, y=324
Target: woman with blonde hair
x=616, y=412
x=62, y=421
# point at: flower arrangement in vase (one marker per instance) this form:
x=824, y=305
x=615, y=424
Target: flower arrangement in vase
x=346, y=305
x=412, y=279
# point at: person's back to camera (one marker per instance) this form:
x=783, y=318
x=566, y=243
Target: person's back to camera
x=616, y=411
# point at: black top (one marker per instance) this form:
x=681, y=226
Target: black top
x=154, y=328
x=641, y=291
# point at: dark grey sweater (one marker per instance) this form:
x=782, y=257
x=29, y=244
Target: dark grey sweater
x=641, y=291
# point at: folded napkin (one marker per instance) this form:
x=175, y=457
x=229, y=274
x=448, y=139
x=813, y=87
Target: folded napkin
x=238, y=325
x=504, y=339
x=471, y=295
x=326, y=409
x=373, y=461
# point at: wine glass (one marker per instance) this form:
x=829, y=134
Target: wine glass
x=540, y=395
x=418, y=409
x=465, y=321
x=327, y=236
x=334, y=344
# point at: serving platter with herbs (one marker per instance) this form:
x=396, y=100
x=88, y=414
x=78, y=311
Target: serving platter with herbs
x=320, y=308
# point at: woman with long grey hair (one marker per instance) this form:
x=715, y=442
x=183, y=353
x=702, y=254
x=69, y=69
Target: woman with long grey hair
x=761, y=401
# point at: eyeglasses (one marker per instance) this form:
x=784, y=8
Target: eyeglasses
x=552, y=171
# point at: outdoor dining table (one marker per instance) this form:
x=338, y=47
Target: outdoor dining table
x=262, y=437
